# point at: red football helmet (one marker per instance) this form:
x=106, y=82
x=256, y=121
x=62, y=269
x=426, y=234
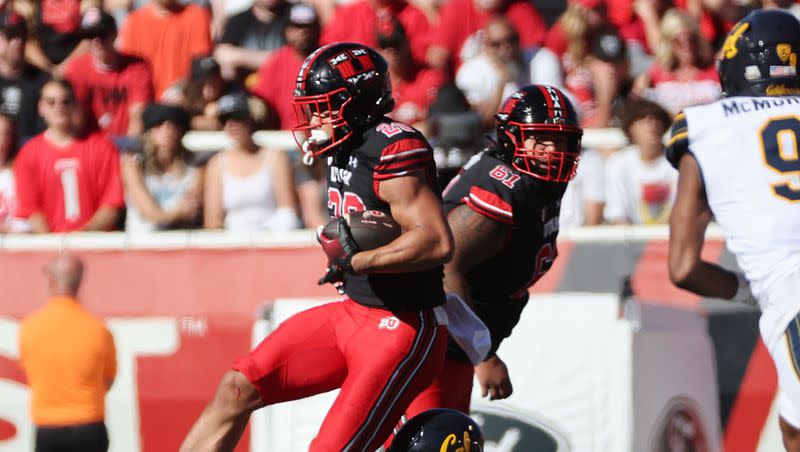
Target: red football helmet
x=345, y=84
x=533, y=114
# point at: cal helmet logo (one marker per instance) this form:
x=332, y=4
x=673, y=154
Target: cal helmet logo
x=451, y=439
x=784, y=50
x=729, y=49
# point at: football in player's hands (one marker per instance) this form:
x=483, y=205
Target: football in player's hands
x=370, y=229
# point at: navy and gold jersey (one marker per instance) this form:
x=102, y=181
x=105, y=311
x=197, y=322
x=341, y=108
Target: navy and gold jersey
x=678, y=142
x=387, y=150
x=499, y=286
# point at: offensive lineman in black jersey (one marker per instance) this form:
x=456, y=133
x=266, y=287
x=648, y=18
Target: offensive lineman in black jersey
x=385, y=342
x=503, y=209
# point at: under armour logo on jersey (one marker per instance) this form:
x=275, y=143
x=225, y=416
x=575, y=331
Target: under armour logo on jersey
x=389, y=323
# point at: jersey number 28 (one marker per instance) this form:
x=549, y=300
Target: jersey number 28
x=780, y=148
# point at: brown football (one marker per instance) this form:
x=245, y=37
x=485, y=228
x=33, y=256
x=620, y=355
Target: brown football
x=370, y=228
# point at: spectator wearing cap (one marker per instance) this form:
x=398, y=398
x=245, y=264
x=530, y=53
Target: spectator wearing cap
x=66, y=181
x=113, y=88
x=250, y=36
x=457, y=36
x=167, y=35
x=454, y=130
x=199, y=94
x=277, y=77
x=247, y=188
x=57, y=36
x=640, y=182
x=357, y=21
x=275, y=82
x=601, y=81
x=414, y=84
x=683, y=73
x=162, y=190
x=20, y=83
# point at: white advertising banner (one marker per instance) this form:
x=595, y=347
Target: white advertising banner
x=586, y=378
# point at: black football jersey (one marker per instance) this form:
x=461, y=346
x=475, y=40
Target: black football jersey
x=499, y=285
x=387, y=150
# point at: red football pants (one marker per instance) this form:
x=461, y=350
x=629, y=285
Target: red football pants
x=452, y=388
x=381, y=360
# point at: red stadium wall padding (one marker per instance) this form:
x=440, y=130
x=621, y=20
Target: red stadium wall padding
x=213, y=296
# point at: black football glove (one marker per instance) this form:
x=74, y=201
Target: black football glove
x=340, y=250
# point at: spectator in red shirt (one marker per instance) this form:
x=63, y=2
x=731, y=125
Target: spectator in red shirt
x=414, y=85
x=65, y=181
x=113, y=88
x=278, y=75
x=683, y=73
x=457, y=37
x=576, y=23
x=357, y=22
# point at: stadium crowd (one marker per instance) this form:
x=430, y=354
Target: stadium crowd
x=96, y=96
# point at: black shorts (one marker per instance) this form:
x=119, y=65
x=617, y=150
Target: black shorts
x=75, y=438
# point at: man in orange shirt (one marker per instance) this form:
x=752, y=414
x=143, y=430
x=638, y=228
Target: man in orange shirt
x=69, y=359
x=167, y=35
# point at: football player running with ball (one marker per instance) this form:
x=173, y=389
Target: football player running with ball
x=503, y=209
x=386, y=341
x=738, y=163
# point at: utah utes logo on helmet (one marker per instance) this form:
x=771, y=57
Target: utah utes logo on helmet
x=354, y=65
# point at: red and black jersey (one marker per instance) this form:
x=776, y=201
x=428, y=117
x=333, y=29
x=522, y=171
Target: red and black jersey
x=499, y=286
x=386, y=150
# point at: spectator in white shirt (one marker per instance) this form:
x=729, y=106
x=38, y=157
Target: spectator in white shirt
x=495, y=73
x=502, y=67
x=582, y=203
x=640, y=183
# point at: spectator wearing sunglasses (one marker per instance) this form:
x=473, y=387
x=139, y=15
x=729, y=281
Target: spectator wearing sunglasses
x=67, y=181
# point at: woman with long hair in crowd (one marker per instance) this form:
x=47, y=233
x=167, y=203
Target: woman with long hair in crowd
x=163, y=190
x=683, y=72
x=248, y=188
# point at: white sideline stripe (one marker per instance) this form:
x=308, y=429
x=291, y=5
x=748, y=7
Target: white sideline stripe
x=290, y=239
x=404, y=153
x=201, y=141
x=488, y=206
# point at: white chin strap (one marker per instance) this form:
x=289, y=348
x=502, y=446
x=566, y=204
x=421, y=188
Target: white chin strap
x=317, y=140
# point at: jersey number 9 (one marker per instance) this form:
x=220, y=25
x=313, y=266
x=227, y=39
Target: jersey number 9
x=780, y=149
